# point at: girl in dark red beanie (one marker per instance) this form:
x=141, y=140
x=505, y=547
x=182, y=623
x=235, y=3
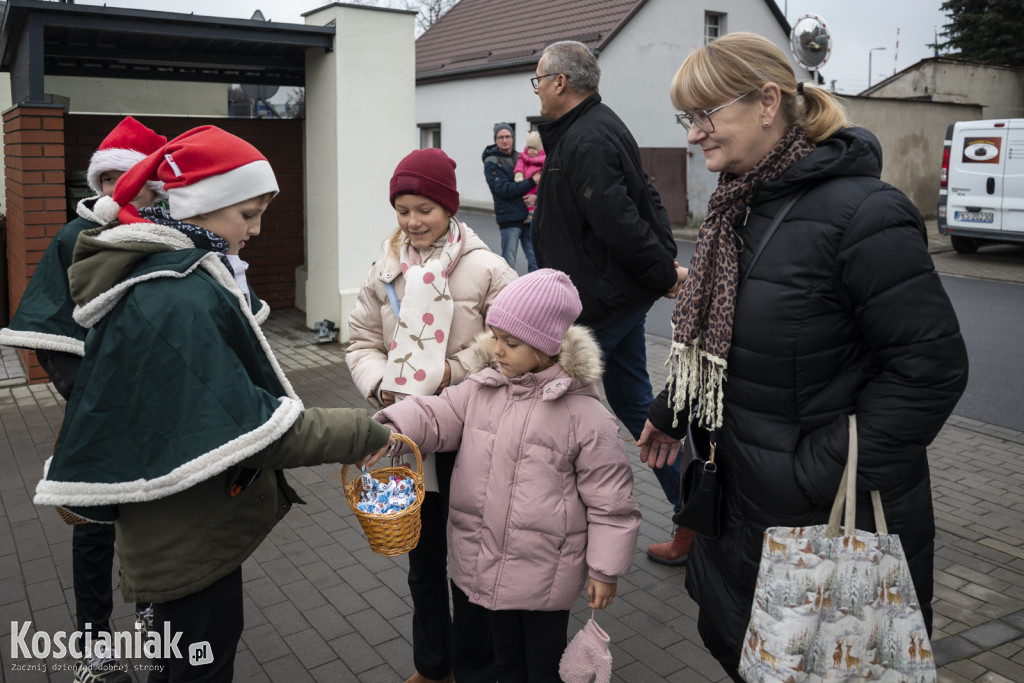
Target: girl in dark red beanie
x=419, y=309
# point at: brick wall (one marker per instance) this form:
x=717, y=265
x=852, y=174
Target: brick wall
x=279, y=250
x=41, y=143
x=34, y=150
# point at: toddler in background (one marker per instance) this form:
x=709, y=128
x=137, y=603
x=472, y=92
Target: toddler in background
x=530, y=161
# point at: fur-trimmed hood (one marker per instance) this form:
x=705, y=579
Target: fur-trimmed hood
x=110, y=260
x=580, y=357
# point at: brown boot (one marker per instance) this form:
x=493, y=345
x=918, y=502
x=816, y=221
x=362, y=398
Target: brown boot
x=674, y=552
x=420, y=678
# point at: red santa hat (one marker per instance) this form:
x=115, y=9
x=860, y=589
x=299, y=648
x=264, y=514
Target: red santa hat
x=128, y=144
x=202, y=170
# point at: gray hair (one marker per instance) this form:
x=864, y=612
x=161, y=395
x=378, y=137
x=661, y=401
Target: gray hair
x=577, y=62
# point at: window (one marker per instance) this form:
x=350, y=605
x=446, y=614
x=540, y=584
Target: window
x=430, y=135
x=714, y=26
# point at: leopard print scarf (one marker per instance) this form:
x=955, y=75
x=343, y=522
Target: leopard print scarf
x=703, y=316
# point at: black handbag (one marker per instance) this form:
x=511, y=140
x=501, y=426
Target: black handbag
x=701, y=491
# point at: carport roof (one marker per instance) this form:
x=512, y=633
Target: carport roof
x=50, y=38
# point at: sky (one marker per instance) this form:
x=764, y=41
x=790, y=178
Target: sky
x=856, y=26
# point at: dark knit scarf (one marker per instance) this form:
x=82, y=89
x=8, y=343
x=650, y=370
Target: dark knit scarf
x=201, y=237
x=703, y=316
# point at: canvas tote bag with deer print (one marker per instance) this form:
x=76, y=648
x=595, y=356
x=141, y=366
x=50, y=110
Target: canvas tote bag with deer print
x=831, y=606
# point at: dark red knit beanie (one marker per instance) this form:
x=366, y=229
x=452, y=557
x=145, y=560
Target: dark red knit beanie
x=429, y=173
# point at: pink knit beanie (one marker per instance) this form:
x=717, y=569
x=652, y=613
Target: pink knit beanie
x=537, y=308
x=429, y=173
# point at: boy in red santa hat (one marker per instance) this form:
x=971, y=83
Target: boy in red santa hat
x=190, y=419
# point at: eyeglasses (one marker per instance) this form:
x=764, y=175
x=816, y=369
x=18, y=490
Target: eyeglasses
x=702, y=117
x=535, y=81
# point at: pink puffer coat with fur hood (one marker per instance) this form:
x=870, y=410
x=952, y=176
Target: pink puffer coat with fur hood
x=542, y=491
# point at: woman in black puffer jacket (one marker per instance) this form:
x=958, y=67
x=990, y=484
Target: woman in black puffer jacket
x=843, y=313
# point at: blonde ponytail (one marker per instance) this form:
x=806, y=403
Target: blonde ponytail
x=822, y=113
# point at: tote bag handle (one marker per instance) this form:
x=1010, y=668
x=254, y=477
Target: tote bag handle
x=846, y=497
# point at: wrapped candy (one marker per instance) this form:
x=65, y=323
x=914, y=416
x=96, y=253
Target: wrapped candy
x=384, y=498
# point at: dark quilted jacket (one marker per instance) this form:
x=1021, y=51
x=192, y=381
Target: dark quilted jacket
x=843, y=313
x=598, y=218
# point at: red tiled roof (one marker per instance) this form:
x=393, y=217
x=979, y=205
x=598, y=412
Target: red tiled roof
x=484, y=34
x=490, y=35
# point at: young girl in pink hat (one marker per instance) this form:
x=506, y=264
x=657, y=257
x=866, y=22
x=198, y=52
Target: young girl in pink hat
x=542, y=491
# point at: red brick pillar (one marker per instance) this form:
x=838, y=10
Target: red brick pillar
x=36, y=208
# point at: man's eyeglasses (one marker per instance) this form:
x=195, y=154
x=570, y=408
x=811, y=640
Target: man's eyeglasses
x=702, y=117
x=535, y=81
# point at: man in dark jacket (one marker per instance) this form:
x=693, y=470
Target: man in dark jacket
x=509, y=207
x=600, y=220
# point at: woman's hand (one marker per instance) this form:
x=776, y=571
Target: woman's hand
x=387, y=398
x=600, y=593
x=446, y=381
x=657, y=448
x=372, y=458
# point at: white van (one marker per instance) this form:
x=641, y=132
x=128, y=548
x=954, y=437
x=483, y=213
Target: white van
x=981, y=191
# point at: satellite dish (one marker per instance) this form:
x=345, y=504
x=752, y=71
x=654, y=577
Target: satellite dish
x=260, y=92
x=810, y=42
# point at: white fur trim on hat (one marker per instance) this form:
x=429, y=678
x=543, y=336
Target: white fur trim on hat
x=114, y=159
x=216, y=192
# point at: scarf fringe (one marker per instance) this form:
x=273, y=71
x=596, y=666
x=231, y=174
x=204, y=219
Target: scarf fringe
x=696, y=378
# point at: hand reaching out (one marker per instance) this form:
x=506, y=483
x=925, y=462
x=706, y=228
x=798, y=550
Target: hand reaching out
x=372, y=458
x=657, y=448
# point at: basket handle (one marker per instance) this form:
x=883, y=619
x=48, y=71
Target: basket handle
x=403, y=438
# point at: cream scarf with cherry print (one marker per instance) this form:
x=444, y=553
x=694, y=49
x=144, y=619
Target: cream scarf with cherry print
x=418, y=350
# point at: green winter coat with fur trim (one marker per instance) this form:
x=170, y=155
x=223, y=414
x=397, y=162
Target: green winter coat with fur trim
x=179, y=397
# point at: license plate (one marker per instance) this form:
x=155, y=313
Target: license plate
x=974, y=216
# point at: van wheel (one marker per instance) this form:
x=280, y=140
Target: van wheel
x=964, y=245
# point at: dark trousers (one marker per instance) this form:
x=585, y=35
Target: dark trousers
x=92, y=564
x=473, y=641
x=428, y=579
x=213, y=615
x=528, y=645
x=628, y=387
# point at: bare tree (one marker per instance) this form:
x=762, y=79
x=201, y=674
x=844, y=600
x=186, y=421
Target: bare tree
x=428, y=11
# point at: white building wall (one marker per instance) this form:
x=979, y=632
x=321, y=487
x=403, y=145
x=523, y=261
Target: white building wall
x=360, y=100
x=636, y=70
x=468, y=110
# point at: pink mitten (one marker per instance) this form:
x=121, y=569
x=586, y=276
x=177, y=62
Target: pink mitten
x=587, y=656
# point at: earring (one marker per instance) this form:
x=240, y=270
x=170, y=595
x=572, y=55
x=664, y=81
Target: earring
x=766, y=124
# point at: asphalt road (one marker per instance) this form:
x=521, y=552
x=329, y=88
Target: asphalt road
x=987, y=291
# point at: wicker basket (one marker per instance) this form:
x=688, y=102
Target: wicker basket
x=394, y=534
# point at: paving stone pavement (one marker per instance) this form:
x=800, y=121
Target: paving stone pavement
x=320, y=606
